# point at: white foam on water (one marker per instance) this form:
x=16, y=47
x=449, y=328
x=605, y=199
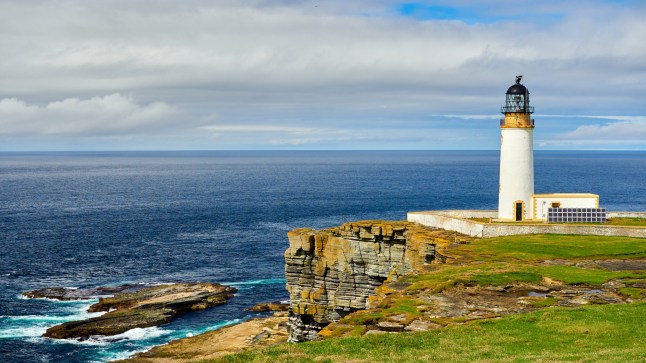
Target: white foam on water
x=22, y=332
x=92, y=299
x=221, y=325
x=40, y=318
x=31, y=326
x=134, y=334
x=124, y=354
x=256, y=282
x=87, y=342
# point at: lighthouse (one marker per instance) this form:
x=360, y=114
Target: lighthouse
x=516, y=189
x=516, y=199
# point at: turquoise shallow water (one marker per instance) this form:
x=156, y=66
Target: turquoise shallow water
x=91, y=219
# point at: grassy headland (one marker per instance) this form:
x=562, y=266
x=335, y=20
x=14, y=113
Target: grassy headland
x=600, y=333
x=537, y=298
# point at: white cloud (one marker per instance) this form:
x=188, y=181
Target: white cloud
x=332, y=65
x=258, y=129
x=110, y=114
x=626, y=130
x=287, y=135
x=472, y=117
x=634, y=131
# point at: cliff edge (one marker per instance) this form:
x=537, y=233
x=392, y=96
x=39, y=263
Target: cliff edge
x=334, y=272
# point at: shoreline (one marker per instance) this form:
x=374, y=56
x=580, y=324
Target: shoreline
x=254, y=333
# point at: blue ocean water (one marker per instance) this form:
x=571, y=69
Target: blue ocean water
x=108, y=218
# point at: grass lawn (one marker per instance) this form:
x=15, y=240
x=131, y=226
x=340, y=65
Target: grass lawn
x=604, y=333
x=591, y=333
x=505, y=260
x=551, y=246
x=634, y=222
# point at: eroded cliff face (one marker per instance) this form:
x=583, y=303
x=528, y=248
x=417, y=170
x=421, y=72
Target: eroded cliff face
x=334, y=272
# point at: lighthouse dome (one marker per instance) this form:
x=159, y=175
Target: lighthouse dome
x=517, y=99
x=517, y=89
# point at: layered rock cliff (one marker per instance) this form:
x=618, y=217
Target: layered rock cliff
x=334, y=272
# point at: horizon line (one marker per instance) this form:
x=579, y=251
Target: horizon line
x=294, y=150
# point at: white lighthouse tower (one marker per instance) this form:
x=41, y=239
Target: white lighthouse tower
x=516, y=189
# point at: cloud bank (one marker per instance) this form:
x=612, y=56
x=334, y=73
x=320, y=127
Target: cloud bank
x=326, y=67
x=111, y=114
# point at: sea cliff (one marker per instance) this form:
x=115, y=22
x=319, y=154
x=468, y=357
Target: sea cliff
x=334, y=272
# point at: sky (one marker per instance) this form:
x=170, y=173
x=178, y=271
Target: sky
x=318, y=75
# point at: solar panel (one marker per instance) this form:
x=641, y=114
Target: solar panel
x=578, y=215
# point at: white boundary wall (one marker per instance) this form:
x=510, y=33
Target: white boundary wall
x=458, y=221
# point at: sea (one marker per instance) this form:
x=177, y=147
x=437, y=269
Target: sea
x=88, y=219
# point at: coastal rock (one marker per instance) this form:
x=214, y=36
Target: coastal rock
x=334, y=272
x=271, y=306
x=390, y=326
x=67, y=293
x=146, y=307
x=212, y=345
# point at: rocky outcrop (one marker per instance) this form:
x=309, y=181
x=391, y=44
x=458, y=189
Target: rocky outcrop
x=213, y=345
x=146, y=307
x=67, y=293
x=270, y=306
x=334, y=272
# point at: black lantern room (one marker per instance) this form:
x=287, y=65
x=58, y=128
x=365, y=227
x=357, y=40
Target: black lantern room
x=517, y=99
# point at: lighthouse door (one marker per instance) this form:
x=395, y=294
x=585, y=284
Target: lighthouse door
x=519, y=211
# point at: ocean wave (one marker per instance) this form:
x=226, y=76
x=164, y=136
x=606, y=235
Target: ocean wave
x=157, y=283
x=31, y=326
x=133, y=334
x=140, y=334
x=276, y=281
x=221, y=325
x=91, y=299
x=22, y=332
x=145, y=337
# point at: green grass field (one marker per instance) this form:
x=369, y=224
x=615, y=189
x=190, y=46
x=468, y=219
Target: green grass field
x=607, y=333
x=553, y=246
x=593, y=333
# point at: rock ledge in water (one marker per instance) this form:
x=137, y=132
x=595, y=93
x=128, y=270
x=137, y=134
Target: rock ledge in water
x=146, y=307
x=67, y=293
